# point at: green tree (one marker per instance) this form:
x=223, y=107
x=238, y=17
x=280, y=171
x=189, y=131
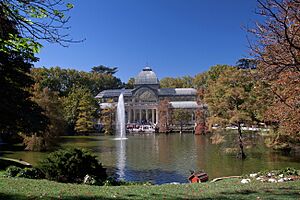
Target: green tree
x=80, y=109
x=18, y=113
x=21, y=24
x=63, y=80
x=228, y=100
x=246, y=63
x=42, y=20
x=87, y=108
x=101, y=69
x=130, y=84
x=181, y=117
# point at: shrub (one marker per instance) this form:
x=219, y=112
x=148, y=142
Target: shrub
x=111, y=181
x=32, y=173
x=289, y=171
x=72, y=165
x=12, y=171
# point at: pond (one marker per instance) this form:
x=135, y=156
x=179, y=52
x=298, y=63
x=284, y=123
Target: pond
x=168, y=158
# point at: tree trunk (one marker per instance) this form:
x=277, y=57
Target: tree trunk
x=242, y=154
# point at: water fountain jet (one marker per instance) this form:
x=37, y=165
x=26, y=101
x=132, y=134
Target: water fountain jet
x=120, y=119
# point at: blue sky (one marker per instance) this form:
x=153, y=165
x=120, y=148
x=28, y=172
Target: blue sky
x=175, y=37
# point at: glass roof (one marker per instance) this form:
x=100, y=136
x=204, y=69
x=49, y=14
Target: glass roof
x=146, y=76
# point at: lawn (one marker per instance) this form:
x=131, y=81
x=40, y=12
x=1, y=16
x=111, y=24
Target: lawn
x=20, y=188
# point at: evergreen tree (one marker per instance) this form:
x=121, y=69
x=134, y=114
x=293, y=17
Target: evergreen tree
x=80, y=109
x=86, y=113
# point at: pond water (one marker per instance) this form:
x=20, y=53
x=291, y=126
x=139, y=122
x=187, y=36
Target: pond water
x=168, y=158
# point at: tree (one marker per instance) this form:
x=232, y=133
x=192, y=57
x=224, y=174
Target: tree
x=130, y=83
x=18, y=113
x=163, y=115
x=201, y=113
x=101, y=69
x=21, y=24
x=180, y=82
x=181, y=117
x=52, y=105
x=42, y=20
x=246, y=63
x=108, y=116
x=80, y=109
x=228, y=101
x=200, y=80
x=87, y=107
x=63, y=80
x=277, y=49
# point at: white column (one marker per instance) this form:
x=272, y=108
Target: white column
x=129, y=115
x=134, y=115
x=140, y=115
x=147, y=115
x=156, y=115
x=152, y=115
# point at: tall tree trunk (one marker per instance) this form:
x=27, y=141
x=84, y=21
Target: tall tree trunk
x=242, y=154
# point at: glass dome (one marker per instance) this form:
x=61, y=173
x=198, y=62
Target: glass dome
x=146, y=76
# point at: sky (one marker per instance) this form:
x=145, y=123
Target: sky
x=174, y=37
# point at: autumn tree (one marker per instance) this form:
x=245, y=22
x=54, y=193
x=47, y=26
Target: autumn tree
x=179, y=82
x=163, y=115
x=228, y=101
x=53, y=110
x=201, y=113
x=278, y=51
x=108, y=117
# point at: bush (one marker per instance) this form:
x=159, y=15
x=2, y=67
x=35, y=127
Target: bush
x=72, y=165
x=12, y=171
x=32, y=173
x=289, y=171
x=114, y=182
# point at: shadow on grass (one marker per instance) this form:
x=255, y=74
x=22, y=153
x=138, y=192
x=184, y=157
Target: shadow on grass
x=268, y=193
x=244, y=192
x=129, y=196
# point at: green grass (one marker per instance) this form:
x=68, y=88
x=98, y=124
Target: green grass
x=19, y=188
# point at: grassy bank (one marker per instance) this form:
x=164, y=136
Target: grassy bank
x=20, y=188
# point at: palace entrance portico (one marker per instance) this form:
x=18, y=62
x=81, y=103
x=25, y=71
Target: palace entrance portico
x=142, y=112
